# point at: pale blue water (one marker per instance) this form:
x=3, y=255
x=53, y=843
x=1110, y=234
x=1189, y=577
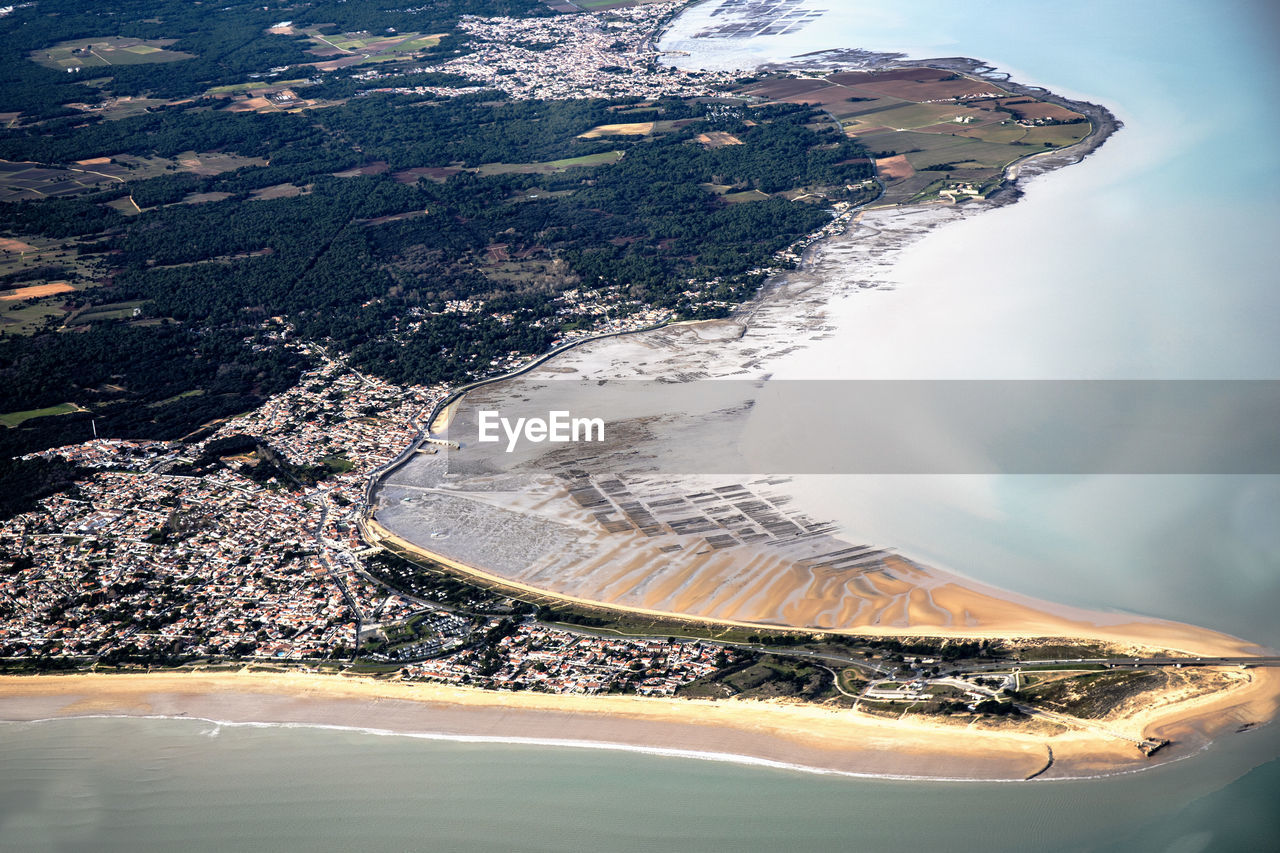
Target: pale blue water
x=1155, y=258
x=141, y=785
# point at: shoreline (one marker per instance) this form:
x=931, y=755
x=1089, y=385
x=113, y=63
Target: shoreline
x=799, y=738
x=795, y=294
x=1024, y=621
x=821, y=740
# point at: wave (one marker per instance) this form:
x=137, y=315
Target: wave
x=572, y=743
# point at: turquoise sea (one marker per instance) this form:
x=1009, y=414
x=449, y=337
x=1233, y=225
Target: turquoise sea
x=1153, y=258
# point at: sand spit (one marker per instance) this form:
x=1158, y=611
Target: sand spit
x=529, y=526
x=900, y=598
x=611, y=524
x=804, y=736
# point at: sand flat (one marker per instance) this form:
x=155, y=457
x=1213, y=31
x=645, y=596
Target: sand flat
x=703, y=551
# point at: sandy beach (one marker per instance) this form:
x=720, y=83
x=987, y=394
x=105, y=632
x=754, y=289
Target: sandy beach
x=801, y=736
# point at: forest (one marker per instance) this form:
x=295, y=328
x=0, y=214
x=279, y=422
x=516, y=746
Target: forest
x=335, y=237
x=228, y=42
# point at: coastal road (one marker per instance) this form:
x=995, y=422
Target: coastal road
x=379, y=474
x=1125, y=662
x=836, y=676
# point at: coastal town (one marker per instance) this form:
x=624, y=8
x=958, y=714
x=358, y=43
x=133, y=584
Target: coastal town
x=245, y=543
x=168, y=553
x=606, y=55
x=536, y=657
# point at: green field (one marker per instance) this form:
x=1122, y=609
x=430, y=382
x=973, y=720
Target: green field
x=29, y=317
x=337, y=464
x=371, y=47
x=1057, y=135
x=101, y=313
x=59, y=261
x=105, y=51
x=13, y=419
x=240, y=88
x=600, y=159
x=597, y=5
x=747, y=195
x=422, y=43
x=1002, y=133
x=198, y=392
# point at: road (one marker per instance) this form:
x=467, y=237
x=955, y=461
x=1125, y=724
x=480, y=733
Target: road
x=836, y=680
x=1127, y=662
x=448, y=399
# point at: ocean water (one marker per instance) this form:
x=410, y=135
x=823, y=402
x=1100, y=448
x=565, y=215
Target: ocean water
x=148, y=784
x=1154, y=258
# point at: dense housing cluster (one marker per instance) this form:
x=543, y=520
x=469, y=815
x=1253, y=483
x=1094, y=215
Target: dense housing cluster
x=535, y=657
x=175, y=552
x=578, y=56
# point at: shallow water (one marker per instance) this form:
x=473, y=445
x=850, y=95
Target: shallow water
x=117, y=784
x=1154, y=258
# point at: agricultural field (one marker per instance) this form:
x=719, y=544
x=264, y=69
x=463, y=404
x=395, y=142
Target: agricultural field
x=102, y=313
x=717, y=139
x=27, y=316
x=19, y=181
x=258, y=86
x=195, y=392
x=434, y=173
x=114, y=109
x=936, y=135
x=347, y=49
x=13, y=419
x=35, y=291
x=40, y=278
x=105, y=51
x=125, y=205
x=744, y=196
x=20, y=258
x=637, y=128
x=278, y=191
x=597, y=5
x=600, y=159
